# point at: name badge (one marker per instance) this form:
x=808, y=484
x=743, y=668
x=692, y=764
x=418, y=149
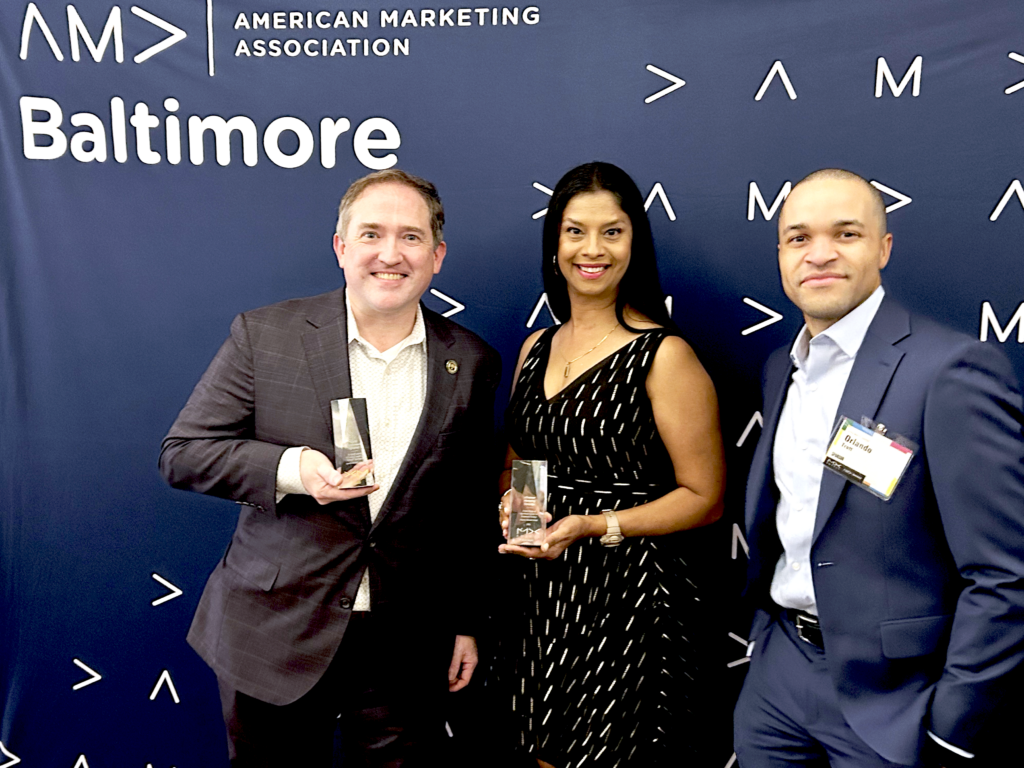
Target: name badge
x=869, y=456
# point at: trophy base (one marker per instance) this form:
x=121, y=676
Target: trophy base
x=357, y=475
x=527, y=529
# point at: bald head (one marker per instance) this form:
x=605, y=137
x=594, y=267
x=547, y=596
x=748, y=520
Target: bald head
x=840, y=174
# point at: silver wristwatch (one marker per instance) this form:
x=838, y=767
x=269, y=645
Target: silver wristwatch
x=614, y=535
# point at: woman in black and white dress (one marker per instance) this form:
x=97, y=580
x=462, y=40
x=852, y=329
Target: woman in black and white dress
x=596, y=653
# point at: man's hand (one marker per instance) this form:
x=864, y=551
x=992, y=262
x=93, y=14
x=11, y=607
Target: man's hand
x=321, y=479
x=464, y=661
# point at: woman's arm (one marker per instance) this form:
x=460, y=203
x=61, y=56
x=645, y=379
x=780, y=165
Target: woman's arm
x=686, y=414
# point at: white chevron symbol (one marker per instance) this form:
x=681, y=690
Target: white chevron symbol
x=94, y=676
x=1015, y=188
x=456, y=306
x=175, y=592
x=745, y=644
x=659, y=191
x=14, y=758
x=549, y=192
x=165, y=677
x=676, y=83
x=1016, y=86
x=901, y=199
x=177, y=34
x=773, y=317
x=780, y=70
x=541, y=303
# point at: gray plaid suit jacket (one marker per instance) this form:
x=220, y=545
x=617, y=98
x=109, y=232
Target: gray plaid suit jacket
x=276, y=607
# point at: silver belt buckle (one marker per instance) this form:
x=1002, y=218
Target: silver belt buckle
x=807, y=623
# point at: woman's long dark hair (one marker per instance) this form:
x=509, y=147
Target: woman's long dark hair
x=640, y=288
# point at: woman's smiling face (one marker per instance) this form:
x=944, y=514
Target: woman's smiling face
x=594, y=244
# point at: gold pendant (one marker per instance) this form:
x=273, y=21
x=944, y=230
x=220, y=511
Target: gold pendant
x=566, y=374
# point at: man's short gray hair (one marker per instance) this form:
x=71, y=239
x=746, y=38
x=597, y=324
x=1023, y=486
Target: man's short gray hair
x=394, y=176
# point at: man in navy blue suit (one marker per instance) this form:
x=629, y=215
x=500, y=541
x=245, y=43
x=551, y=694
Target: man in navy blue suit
x=889, y=620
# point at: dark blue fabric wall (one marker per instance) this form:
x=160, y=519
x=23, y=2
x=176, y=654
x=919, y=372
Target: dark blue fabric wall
x=119, y=276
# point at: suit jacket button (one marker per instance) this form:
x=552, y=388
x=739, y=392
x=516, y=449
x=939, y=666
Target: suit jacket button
x=346, y=603
x=373, y=544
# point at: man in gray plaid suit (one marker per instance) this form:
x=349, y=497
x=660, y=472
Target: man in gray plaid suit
x=336, y=603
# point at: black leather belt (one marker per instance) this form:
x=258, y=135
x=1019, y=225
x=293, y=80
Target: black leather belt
x=808, y=628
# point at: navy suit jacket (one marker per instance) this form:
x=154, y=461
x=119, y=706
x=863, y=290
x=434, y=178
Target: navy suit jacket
x=276, y=607
x=920, y=598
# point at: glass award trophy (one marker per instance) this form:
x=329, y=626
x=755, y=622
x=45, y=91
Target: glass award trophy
x=352, y=455
x=529, y=501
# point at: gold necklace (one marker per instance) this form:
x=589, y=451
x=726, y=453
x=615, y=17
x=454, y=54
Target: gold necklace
x=569, y=362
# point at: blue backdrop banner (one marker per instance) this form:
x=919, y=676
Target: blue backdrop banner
x=168, y=165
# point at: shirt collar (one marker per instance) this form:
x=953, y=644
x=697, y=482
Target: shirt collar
x=847, y=333
x=418, y=335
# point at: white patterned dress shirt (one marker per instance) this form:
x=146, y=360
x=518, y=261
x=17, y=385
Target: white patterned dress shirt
x=394, y=383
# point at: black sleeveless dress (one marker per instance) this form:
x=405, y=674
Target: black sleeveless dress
x=594, y=654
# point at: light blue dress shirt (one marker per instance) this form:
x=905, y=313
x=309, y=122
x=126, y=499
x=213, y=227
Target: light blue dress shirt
x=823, y=364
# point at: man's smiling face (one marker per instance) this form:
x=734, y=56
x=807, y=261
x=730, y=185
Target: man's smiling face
x=388, y=251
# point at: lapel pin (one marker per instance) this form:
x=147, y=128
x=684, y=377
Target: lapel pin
x=451, y=366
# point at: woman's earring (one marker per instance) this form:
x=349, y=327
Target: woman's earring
x=554, y=259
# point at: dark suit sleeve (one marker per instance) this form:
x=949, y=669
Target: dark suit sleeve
x=210, y=447
x=975, y=454
x=476, y=554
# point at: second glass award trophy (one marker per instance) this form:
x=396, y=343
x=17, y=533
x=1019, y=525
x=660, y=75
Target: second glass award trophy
x=352, y=455
x=529, y=502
